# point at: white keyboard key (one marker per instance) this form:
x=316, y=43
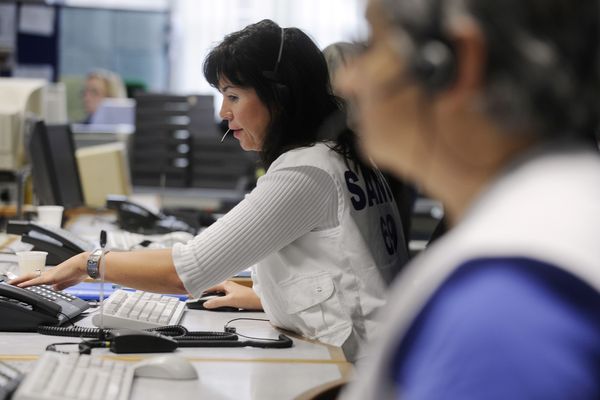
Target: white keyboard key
x=59, y=380
x=137, y=310
x=86, y=386
x=157, y=312
x=146, y=296
x=100, y=385
x=73, y=385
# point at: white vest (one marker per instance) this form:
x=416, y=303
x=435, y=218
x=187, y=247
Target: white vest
x=546, y=208
x=327, y=284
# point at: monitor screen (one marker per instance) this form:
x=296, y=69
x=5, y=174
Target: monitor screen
x=54, y=168
x=113, y=111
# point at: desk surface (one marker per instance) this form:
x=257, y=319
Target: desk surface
x=224, y=373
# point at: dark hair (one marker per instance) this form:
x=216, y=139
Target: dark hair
x=543, y=63
x=300, y=98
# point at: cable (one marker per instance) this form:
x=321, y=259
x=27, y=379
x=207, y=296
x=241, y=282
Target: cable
x=179, y=333
x=242, y=319
x=74, y=331
x=232, y=329
x=84, y=347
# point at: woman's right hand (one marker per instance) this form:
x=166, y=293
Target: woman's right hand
x=236, y=295
x=66, y=274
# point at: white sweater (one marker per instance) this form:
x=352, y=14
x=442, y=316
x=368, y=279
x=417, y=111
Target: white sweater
x=314, y=229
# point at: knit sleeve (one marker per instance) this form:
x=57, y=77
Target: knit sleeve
x=285, y=205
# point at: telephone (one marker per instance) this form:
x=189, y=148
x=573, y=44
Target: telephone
x=23, y=310
x=133, y=217
x=59, y=243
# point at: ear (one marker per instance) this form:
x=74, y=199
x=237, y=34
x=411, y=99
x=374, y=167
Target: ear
x=470, y=57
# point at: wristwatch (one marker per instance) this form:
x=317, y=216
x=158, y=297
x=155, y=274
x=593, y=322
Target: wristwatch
x=93, y=262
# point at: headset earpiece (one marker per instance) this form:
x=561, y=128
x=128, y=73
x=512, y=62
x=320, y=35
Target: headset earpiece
x=271, y=75
x=433, y=56
x=282, y=93
x=434, y=65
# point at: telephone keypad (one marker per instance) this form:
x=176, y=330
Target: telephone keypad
x=49, y=293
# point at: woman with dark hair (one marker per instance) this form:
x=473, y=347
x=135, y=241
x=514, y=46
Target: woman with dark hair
x=320, y=227
x=492, y=107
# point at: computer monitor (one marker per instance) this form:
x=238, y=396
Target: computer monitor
x=55, y=104
x=104, y=170
x=18, y=99
x=54, y=168
x=11, y=141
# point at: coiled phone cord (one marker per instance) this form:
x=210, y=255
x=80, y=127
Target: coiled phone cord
x=177, y=332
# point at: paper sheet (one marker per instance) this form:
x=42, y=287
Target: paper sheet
x=37, y=20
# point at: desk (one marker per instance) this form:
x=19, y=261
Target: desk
x=224, y=373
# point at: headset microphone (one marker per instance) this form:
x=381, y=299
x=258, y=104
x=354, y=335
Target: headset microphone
x=223, y=138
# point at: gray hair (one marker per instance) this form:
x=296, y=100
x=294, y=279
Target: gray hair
x=543, y=65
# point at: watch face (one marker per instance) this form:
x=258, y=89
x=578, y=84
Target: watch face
x=92, y=263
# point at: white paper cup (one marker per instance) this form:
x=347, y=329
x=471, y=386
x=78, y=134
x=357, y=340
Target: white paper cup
x=31, y=261
x=50, y=215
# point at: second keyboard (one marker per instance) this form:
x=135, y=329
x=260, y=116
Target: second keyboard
x=139, y=310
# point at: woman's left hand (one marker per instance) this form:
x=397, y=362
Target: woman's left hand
x=68, y=273
x=236, y=295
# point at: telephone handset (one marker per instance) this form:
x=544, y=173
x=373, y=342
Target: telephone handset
x=136, y=218
x=23, y=310
x=59, y=243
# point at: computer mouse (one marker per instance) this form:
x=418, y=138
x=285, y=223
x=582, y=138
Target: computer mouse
x=198, y=304
x=169, y=366
x=206, y=218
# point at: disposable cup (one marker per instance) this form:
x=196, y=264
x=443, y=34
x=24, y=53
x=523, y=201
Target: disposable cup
x=50, y=215
x=31, y=261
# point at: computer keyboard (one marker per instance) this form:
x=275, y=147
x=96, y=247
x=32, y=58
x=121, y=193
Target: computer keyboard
x=10, y=378
x=59, y=376
x=123, y=240
x=139, y=310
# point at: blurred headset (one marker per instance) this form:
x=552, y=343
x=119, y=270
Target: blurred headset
x=281, y=91
x=432, y=61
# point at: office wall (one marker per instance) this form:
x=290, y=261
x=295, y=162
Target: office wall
x=131, y=43
x=200, y=24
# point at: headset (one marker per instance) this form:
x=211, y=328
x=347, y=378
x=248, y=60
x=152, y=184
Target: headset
x=433, y=61
x=282, y=92
x=434, y=65
x=274, y=74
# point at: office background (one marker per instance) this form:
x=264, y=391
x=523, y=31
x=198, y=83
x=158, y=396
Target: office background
x=159, y=44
